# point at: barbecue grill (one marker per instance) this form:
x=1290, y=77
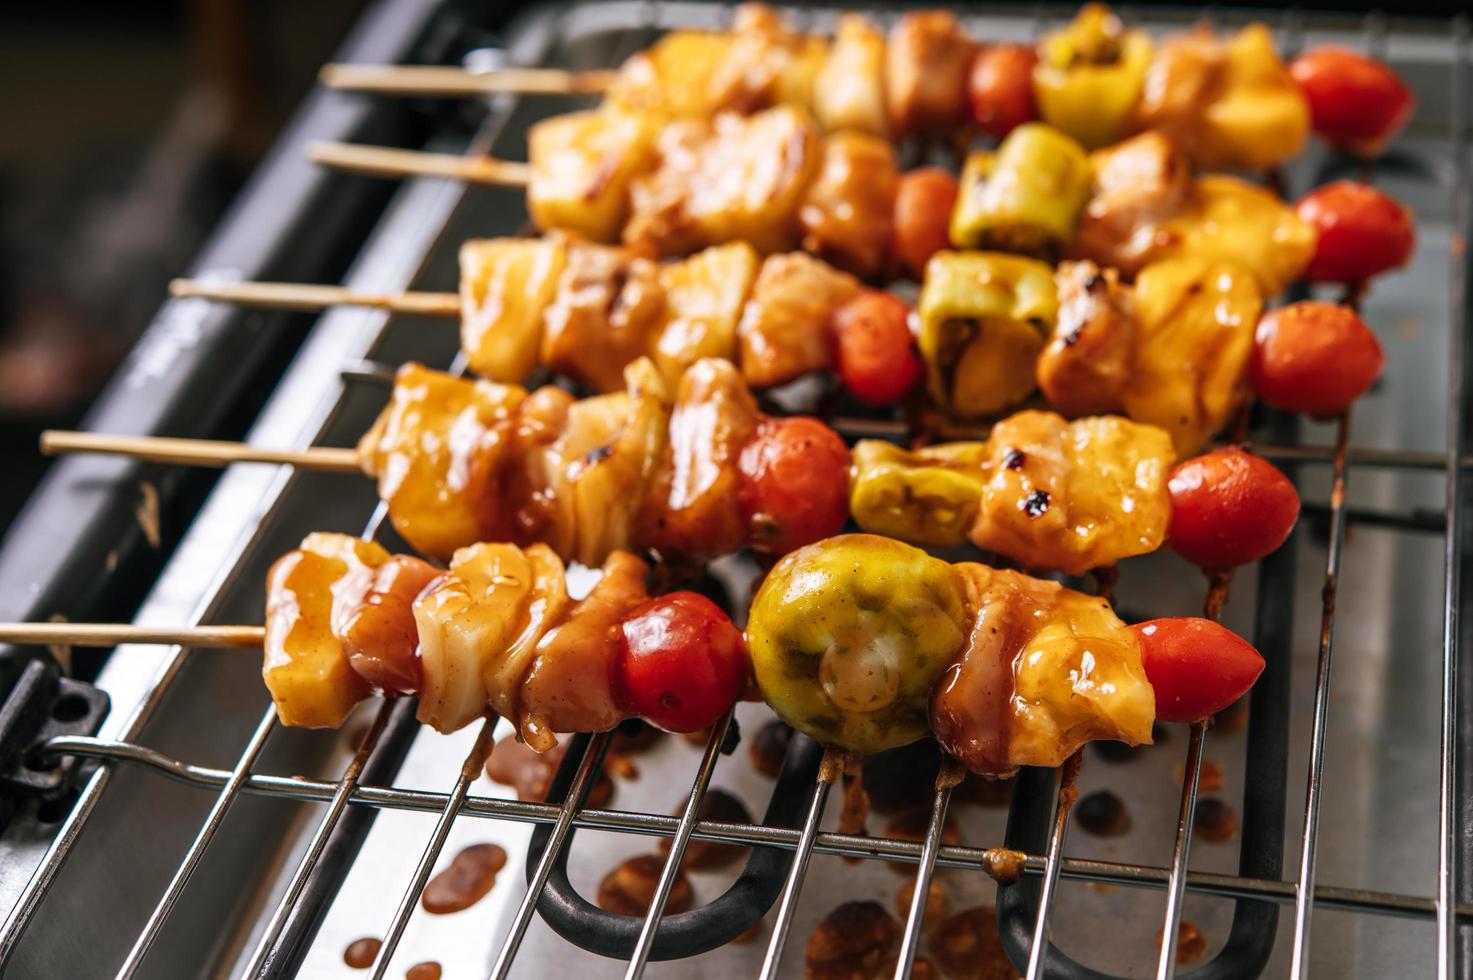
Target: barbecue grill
x=186, y=834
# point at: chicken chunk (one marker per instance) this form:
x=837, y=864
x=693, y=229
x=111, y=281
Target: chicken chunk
x=735, y=178
x=567, y=686
x=848, y=212
x=784, y=332
x=693, y=505
x=1044, y=670
x=1072, y=496
x=926, y=66
x=767, y=63
x=1229, y=102
x=704, y=297
x=437, y=451
x=609, y=308
x=849, y=93
x=582, y=163
x=1088, y=362
x=1135, y=186
x=590, y=478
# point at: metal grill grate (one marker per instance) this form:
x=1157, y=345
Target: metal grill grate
x=792, y=833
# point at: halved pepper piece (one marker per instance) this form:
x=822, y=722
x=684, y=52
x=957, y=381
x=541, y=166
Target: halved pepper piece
x=1090, y=74
x=927, y=497
x=1025, y=197
x=985, y=316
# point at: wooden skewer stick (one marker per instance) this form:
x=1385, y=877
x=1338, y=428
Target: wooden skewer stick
x=309, y=297
x=198, y=452
x=383, y=161
x=114, y=634
x=438, y=80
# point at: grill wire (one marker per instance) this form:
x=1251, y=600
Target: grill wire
x=1304, y=894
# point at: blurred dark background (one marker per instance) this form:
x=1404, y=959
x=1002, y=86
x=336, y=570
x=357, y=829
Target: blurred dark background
x=125, y=131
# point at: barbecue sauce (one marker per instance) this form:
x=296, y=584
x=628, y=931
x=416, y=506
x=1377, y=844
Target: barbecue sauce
x=361, y=953
x=470, y=875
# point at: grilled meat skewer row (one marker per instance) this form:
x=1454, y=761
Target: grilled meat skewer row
x=862, y=642
x=770, y=179
x=699, y=472
x=1095, y=78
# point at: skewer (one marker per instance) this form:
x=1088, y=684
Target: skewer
x=440, y=80
x=198, y=452
x=383, y=161
x=116, y=634
x=310, y=297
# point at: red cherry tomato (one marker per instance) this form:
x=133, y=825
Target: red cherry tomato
x=923, y=204
x=1362, y=232
x=1197, y=667
x=1314, y=358
x=1356, y=103
x=877, y=357
x=1000, y=88
x=680, y=663
x=795, y=484
x=1228, y=508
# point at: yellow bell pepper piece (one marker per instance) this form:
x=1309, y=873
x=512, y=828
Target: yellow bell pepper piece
x=928, y=497
x=985, y=316
x=1089, y=76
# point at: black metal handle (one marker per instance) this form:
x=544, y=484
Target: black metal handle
x=714, y=924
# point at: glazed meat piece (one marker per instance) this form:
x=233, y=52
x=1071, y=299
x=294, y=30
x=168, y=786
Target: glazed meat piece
x=672, y=77
x=379, y=631
x=1135, y=185
x=582, y=163
x=583, y=488
x=1172, y=351
x=848, y=211
x=1194, y=320
x=567, y=686
x=608, y=309
x=306, y=665
x=1230, y=103
x=767, y=63
x=926, y=65
x=465, y=623
x=849, y=93
x=1087, y=364
x=506, y=286
x=732, y=178
x=437, y=451
x=1045, y=669
x=704, y=298
x=1073, y=496
x=693, y=504
x=1224, y=219
x=784, y=332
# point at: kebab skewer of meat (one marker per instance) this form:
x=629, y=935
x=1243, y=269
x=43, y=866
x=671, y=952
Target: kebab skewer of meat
x=772, y=180
x=858, y=640
x=1095, y=78
x=700, y=472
